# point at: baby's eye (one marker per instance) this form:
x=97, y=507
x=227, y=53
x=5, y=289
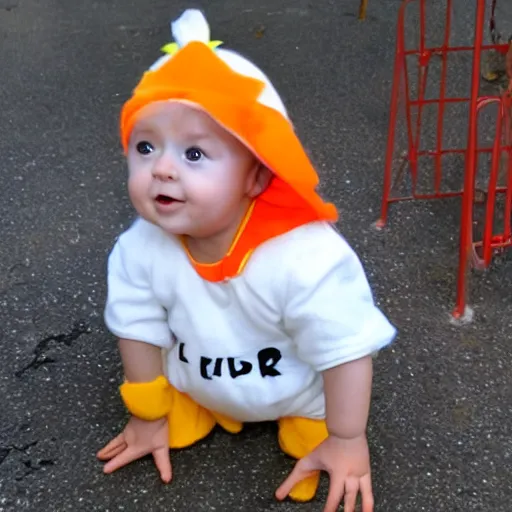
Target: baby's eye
x=193, y=154
x=145, y=148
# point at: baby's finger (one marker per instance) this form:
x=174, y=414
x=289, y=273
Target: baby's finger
x=113, y=452
x=112, y=447
x=351, y=490
x=163, y=464
x=125, y=457
x=336, y=490
x=367, y=493
x=299, y=473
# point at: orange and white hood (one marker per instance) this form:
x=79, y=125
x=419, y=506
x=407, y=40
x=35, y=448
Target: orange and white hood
x=238, y=95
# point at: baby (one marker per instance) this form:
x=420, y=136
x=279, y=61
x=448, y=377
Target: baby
x=233, y=297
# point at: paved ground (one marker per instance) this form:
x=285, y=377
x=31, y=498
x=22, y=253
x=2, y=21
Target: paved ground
x=440, y=426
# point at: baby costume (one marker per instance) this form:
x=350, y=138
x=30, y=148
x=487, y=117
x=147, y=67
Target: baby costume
x=244, y=339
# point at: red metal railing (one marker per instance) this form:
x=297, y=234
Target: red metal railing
x=415, y=100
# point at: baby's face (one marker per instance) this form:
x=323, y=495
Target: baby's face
x=186, y=173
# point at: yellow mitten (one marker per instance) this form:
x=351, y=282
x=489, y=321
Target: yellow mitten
x=298, y=437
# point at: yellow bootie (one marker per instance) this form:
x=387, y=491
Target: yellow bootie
x=188, y=421
x=298, y=437
x=229, y=425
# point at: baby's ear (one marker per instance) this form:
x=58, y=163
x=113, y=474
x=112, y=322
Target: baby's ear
x=261, y=180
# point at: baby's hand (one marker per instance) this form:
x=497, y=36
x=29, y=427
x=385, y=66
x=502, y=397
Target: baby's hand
x=139, y=438
x=348, y=463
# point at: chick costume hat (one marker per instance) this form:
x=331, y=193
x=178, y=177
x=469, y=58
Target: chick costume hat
x=238, y=96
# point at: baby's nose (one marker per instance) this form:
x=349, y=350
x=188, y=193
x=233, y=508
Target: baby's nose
x=164, y=170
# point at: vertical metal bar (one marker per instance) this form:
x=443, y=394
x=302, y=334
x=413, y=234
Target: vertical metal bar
x=491, y=190
x=471, y=161
x=442, y=102
x=422, y=26
x=423, y=63
x=508, y=141
x=398, y=71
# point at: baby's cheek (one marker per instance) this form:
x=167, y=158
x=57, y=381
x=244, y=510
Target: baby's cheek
x=137, y=189
x=199, y=191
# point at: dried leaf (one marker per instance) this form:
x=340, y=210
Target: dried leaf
x=260, y=31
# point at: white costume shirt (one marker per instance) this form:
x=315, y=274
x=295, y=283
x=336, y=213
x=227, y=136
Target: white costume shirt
x=253, y=347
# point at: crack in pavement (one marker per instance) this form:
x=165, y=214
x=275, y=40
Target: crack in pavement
x=6, y=450
x=8, y=5
x=3, y=453
x=40, y=358
x=30, y=466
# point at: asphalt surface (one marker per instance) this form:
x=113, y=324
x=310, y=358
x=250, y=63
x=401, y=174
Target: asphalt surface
x=440, y=428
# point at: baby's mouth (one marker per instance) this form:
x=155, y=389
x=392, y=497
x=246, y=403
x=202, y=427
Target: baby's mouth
x=163, y=199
